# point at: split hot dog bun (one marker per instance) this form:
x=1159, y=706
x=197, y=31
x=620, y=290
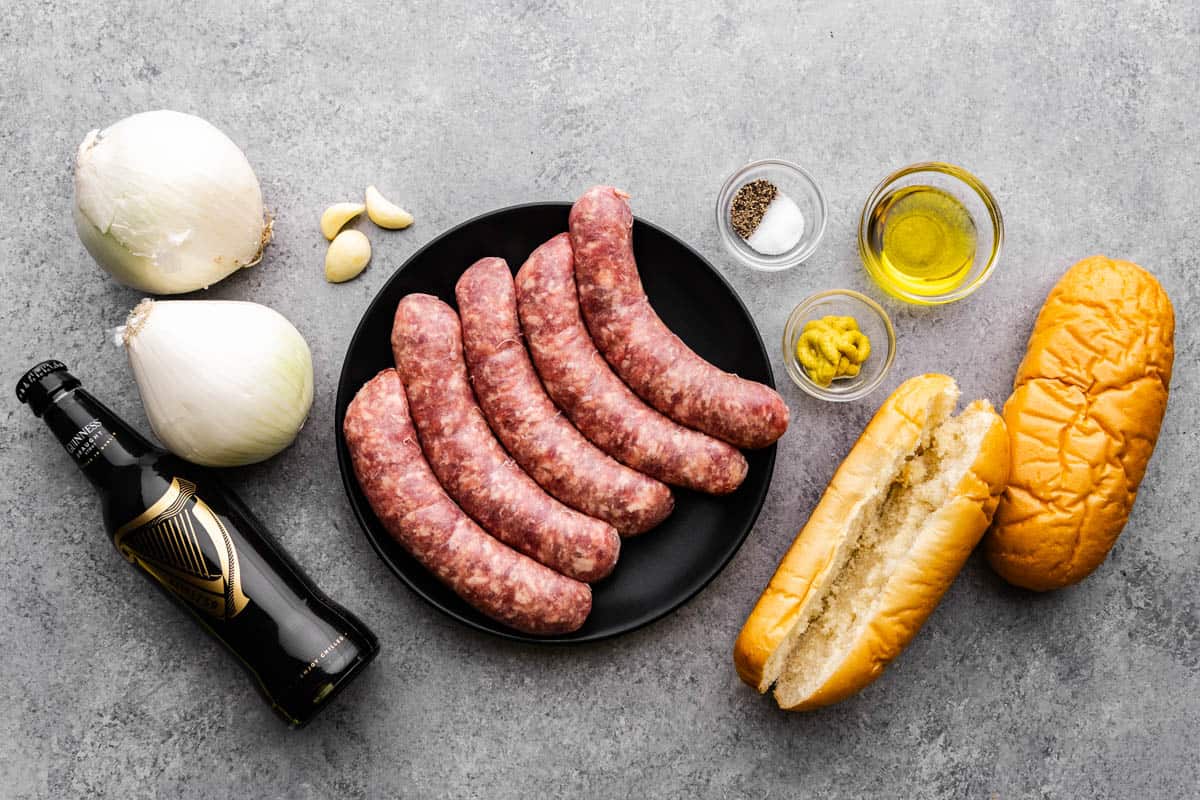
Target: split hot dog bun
x=898, y=520
x=1084, y=415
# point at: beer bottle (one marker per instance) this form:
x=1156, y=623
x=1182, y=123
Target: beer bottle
x=185, y=531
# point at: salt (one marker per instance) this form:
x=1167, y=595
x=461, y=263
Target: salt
x=780, y=229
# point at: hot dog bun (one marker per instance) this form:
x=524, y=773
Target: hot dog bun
x=883, y=545
x=1085, y=411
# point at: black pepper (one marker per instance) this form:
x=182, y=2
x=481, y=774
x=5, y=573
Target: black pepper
x=749, y=204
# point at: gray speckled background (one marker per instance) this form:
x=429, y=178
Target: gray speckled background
x=1083, y=122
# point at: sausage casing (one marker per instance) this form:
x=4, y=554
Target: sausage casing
x=527, y=422
x=647, y=355
x=601, y=406
x=406, y=497
x=469, y=462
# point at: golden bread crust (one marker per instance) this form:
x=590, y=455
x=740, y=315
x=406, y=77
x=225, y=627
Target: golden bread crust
x=926, y=573
x=895, y=428
x=1085, y=412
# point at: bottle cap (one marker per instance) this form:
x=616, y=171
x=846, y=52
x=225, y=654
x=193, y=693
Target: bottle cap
x=39, y=385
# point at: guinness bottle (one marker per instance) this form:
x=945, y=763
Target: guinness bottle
x=190, y=535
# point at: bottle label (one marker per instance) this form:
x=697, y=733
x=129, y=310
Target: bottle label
x=89, y=442
x=184, y=546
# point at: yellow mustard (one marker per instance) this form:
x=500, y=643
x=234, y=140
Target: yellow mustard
x=832, y=347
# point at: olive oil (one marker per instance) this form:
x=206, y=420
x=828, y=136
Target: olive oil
x=924, y=240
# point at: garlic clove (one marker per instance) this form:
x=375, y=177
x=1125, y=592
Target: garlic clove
x=347, y=256
x=385, y=213
x=337, y=215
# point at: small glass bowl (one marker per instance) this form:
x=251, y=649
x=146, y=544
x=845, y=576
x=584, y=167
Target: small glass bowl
x=968, y=190
x=793, y=181
x=872, y=320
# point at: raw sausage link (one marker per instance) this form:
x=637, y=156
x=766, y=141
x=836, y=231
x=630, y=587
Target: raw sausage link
x=471, y=464
x=655, y=362
x=527, y=422
x=402, y=490
x=601, y=406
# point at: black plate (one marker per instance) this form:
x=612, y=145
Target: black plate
x=660, y=570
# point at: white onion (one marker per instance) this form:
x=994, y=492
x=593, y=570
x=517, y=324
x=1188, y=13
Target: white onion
x=224, y=382
x=167, y=203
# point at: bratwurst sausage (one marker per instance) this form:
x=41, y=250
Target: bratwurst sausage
x=471, y=464
x=405, y=496
x=527, y=422
x=655, y=362
x=601, y=406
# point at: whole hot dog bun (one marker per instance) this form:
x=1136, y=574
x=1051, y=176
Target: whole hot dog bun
x=901, y=515
x=1086, y=407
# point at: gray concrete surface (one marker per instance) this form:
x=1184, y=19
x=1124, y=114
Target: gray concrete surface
x=1082, y=120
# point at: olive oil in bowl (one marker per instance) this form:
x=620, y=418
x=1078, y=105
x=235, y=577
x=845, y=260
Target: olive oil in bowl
x=923, y=238
x=930, y=233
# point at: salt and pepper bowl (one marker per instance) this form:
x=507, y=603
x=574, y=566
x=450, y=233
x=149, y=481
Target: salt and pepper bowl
x=792, y=181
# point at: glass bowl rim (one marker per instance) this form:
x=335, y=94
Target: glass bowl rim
x=797, y=374
x=985, y=195
x=771, y=263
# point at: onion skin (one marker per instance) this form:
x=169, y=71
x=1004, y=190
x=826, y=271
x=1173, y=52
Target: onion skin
x=166, y=203
x=224, y=383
